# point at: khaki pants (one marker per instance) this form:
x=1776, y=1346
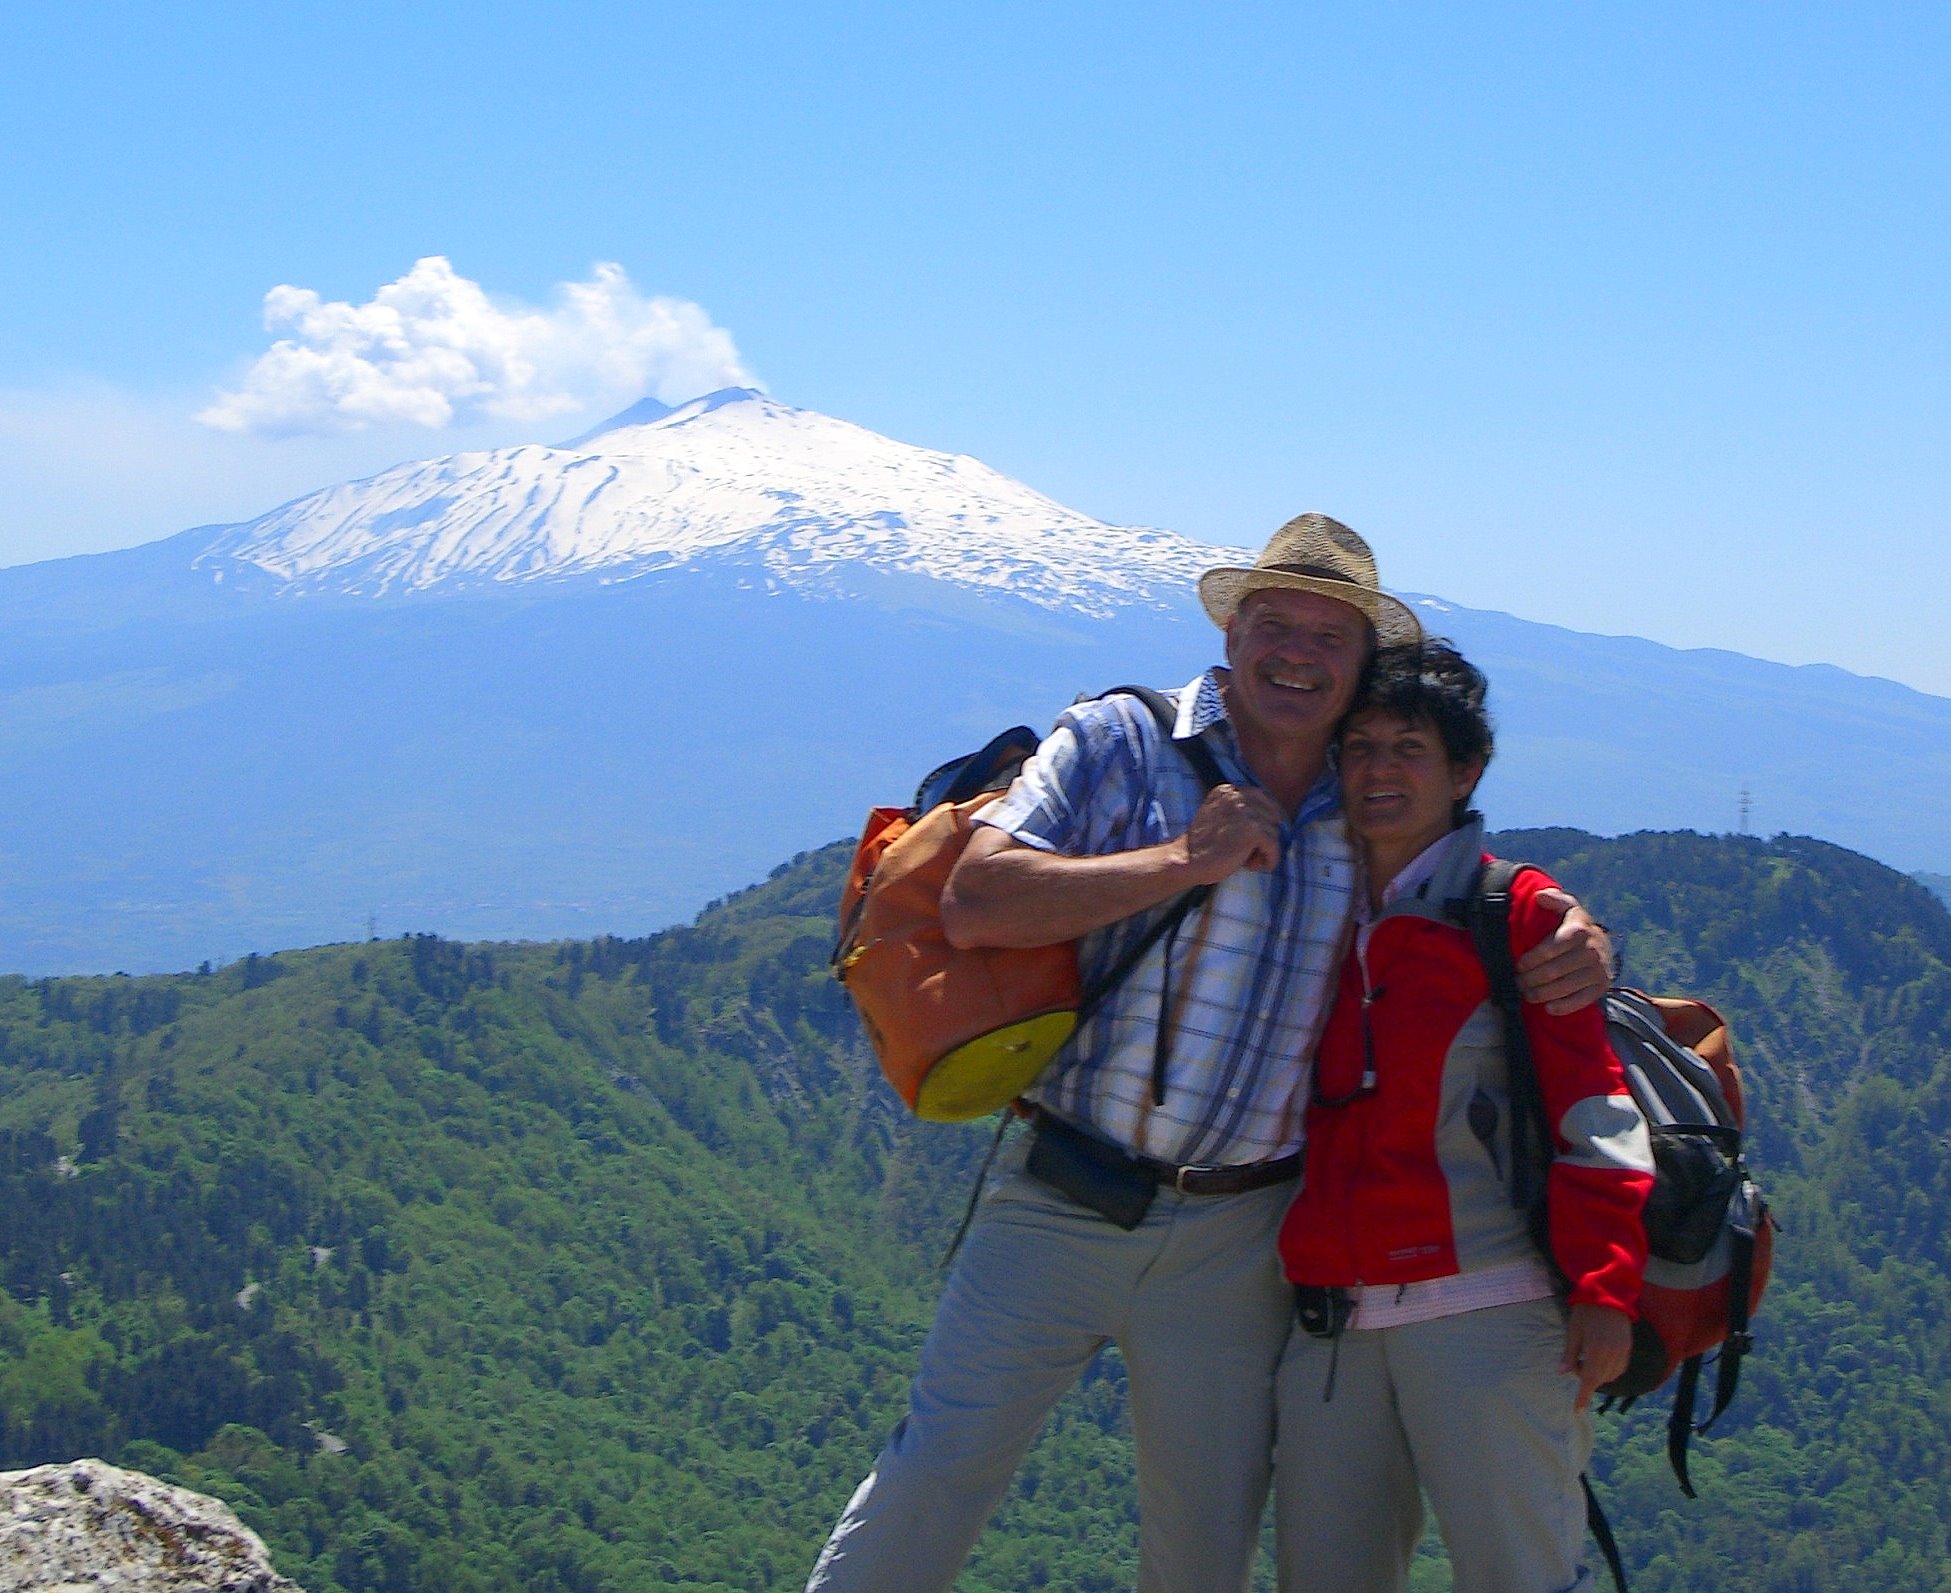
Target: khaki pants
x=1470, y=1407
x=1194, y=1299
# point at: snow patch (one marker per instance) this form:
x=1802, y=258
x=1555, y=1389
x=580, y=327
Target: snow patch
x=733, y=478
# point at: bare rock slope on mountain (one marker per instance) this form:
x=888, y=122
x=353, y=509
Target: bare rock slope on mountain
x=85, y=1525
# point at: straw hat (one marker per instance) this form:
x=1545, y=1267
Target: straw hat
x=1312, y=553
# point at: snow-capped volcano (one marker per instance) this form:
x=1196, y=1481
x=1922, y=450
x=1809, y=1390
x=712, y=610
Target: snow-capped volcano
x=210, y=769
x=734, y=477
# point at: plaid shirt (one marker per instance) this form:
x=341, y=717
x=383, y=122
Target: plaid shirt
x=1253, y=970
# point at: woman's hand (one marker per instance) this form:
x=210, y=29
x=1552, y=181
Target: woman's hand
x=1598, y=1343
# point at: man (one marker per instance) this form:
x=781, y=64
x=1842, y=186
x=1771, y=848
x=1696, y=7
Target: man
x=1168, y=1136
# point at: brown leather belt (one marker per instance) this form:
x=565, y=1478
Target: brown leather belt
x=1234, y=1179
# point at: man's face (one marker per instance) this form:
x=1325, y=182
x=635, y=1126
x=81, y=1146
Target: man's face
x=1296, y=658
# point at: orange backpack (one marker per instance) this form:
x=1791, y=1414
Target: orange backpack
x=961, y=1033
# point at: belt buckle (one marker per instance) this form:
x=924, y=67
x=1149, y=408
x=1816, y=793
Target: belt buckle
x=1179, y=1178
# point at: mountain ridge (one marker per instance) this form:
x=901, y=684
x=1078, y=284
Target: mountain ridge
x=605, y=1263
x=733, y=476
x=636, y=719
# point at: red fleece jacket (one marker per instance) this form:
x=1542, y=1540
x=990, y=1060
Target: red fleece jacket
x=1407, y=1182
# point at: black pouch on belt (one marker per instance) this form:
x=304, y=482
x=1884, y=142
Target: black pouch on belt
x=1091, y=1173
x=1323, y=1310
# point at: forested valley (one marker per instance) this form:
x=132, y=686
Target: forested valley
x=602, y=1266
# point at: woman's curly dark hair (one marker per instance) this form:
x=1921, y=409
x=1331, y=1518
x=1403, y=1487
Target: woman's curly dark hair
x=1431, y=681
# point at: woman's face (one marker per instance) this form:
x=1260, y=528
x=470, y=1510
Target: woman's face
x=1398, y=784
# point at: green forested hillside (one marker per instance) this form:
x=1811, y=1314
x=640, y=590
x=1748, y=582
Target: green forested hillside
x=594, y=1266
x=602, y=1266
x=1835, y=1471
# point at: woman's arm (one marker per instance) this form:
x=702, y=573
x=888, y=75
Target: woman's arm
x=1602, y=1167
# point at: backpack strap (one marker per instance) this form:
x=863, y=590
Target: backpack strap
x=1165, y=711
x=1601, y=1530
x=1003, y=1120
x=1740, y=1285
x=1681, y=1426
x=1680, y=1422
x=1487, y=915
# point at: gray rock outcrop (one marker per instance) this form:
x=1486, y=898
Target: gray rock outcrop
x=89, y=1526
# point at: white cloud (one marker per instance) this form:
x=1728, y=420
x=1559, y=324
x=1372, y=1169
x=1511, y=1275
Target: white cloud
x=433, y=350
x=86, y=466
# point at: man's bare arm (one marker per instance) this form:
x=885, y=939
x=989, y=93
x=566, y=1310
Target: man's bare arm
x=1004, y=893
x=1570, y=968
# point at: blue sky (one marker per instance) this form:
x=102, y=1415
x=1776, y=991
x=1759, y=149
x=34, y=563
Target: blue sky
x=1631, y=320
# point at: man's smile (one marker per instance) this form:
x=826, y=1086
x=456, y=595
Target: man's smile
x=1295, y=679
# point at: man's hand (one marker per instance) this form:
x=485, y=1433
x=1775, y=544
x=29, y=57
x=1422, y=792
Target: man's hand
x=1598, y=1344
x=1572, y=967
x=1004, y=893
x=1236, y=827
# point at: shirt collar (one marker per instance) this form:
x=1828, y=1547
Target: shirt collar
x=1421, y=871
x=1201, y=706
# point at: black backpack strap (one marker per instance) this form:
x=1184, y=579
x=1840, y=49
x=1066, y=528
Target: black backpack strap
x=1601, y=1530
x=1134, y=953
x=975, y=1194
x=1487, y=915
x=1740, y=1285
x=1680, y=1422
x=1681, y=1426
x=1164, y=710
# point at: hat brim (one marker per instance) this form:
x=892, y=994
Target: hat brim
x=1224, y=589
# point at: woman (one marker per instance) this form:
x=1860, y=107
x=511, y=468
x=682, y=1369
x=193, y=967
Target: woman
x=1438, y=1354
